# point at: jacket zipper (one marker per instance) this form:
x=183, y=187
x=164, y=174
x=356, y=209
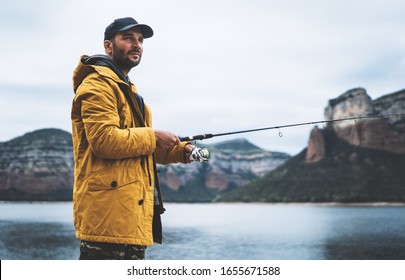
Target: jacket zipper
x=135, y=110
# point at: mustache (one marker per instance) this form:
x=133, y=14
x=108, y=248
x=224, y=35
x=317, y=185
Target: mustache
x=135, y=50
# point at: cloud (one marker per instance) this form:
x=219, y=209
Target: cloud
x=212, y=66
x=24, y=109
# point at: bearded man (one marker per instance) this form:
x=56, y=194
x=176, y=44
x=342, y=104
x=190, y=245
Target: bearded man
x=117, y=201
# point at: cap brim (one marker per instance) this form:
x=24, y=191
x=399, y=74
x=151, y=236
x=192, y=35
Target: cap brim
x=147, y=31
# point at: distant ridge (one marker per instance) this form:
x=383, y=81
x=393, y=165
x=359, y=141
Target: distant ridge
x=45, y=134
x=37, y=166
x=241, y=145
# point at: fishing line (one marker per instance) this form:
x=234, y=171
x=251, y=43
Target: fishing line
x=279, y=127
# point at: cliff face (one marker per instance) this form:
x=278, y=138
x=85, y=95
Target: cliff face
x=316, y=146
x=382, y=134
x=233, y=164
x=38, y=165
x=348, y=161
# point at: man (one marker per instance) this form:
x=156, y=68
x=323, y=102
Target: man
x=117, y=201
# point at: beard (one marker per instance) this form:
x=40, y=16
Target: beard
x=122, y=59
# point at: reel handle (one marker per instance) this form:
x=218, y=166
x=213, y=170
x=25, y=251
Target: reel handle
x=200, y=154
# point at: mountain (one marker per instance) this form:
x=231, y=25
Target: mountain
x=362, y=161
x=233, y=164
x=39, y=166
x=352, y=161
x=379, y=133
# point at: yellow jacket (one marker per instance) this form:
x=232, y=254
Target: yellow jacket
x=113, y=197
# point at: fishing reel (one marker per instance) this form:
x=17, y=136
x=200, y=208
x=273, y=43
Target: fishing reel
x=200, y=154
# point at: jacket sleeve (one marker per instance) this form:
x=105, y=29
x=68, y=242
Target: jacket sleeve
x=99, y=111
x=175, y=155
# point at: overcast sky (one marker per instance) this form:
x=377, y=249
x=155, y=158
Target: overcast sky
x=212, y=66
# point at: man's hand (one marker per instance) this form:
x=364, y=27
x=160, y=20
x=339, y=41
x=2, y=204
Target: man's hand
x=187, y=150
x=166, y=140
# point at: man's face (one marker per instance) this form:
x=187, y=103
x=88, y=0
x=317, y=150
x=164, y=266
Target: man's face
x=126, y=49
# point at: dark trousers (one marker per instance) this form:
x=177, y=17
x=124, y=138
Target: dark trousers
x=109, y=251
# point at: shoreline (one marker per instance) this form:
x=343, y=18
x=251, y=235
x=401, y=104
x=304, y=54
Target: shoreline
x=376, y=204
x=358, y=204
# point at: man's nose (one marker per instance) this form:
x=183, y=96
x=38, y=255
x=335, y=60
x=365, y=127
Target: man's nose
x=136, y=43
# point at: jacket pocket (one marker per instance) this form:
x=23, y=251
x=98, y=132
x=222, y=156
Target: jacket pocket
x=111, y=179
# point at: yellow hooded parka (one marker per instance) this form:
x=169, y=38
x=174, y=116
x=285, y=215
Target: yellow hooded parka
x=113, y=197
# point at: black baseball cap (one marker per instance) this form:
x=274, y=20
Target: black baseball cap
x=122, y=24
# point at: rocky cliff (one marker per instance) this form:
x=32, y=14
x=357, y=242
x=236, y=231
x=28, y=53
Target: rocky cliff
x=380, y=133
x=37, y=166
x=348, y=161
x=233, y=164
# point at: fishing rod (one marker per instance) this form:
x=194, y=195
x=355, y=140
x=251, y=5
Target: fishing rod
x=211, y=135
x=201, y=154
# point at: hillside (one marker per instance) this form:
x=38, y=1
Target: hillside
x=37, y=166
x=345, y=174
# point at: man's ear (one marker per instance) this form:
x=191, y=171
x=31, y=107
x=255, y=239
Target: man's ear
x=108, y=47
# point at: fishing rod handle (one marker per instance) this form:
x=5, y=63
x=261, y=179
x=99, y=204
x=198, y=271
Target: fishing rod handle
x=196, y=137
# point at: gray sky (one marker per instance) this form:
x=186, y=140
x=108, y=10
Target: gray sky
x=212, y=66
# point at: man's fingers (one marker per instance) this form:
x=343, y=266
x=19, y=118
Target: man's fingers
x=166, y=139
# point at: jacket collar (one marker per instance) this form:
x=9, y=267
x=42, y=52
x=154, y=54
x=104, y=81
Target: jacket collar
x=101, y=64
x=104, y=60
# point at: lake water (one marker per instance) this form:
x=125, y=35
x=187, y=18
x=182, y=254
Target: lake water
x=223, y=231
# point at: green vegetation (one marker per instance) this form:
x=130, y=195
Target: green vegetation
x=240, y=145
x=47, y=135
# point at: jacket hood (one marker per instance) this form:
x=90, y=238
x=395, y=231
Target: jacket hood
x=97, y=63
